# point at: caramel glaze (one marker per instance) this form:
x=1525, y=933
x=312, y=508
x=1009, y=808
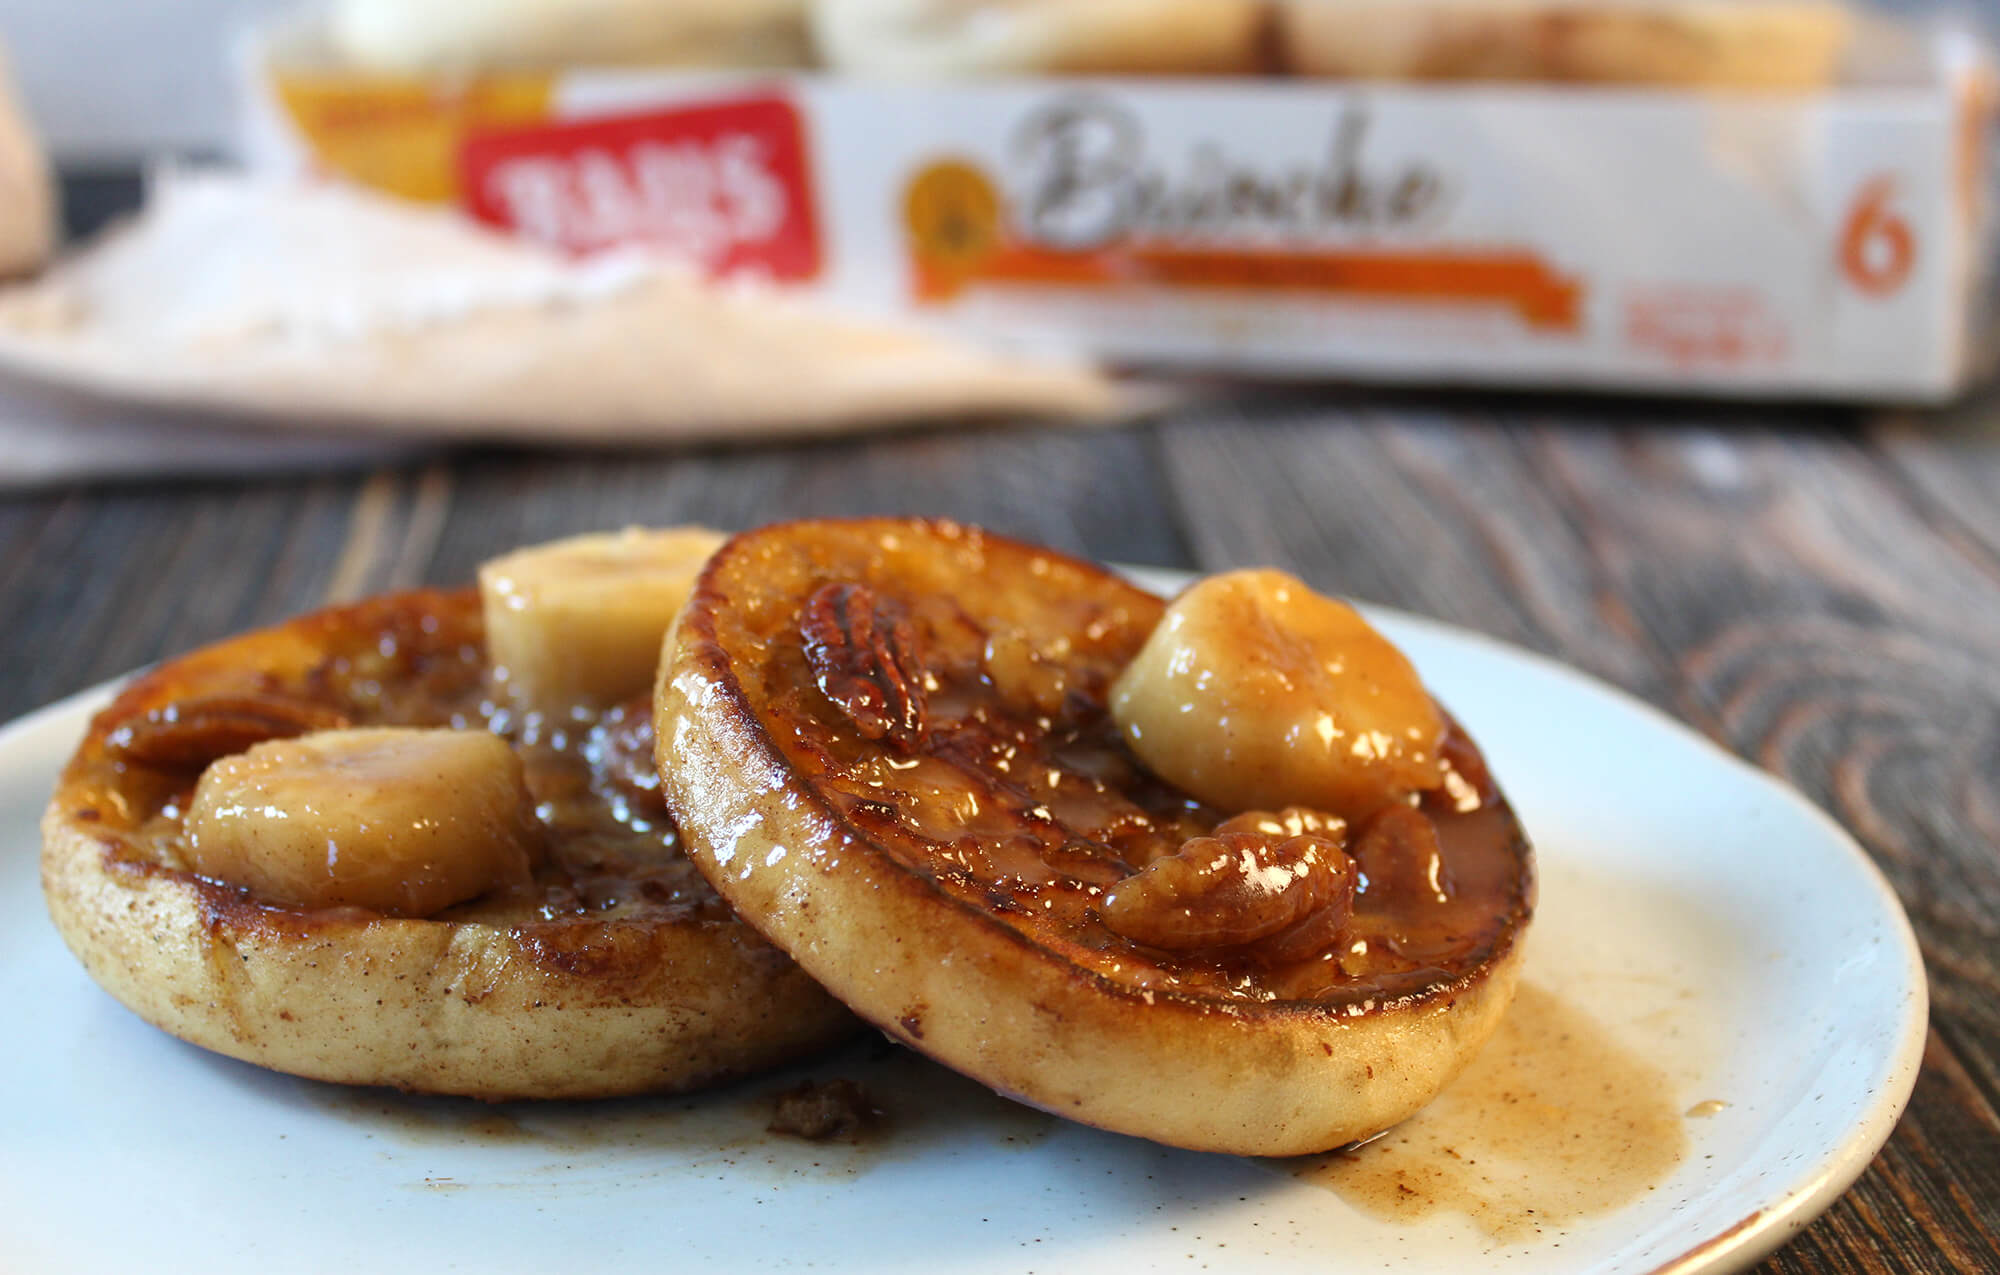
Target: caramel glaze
x=419, y=659
x=1017, y=797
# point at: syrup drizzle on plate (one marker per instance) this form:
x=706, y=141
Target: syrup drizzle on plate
x=1554, y=1120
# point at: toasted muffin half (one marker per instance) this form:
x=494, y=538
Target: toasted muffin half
x=599, y=963
x=889, y=746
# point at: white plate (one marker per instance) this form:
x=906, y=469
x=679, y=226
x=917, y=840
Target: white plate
x=1694, y=912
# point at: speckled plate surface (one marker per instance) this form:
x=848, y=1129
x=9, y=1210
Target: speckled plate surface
x=1710, y=949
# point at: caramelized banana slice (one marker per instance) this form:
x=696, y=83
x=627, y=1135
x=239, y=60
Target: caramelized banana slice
x=889, y=747
x=578, y=622
x=1255, y=691
x=404, y=821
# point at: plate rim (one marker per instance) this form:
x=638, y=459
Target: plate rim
x=1806, y=1193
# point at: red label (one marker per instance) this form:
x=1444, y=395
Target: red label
x=723, y=185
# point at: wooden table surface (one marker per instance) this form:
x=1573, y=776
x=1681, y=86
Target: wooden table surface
x=1816, y=589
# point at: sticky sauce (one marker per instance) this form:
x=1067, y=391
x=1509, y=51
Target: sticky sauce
x=1553, y=1122
x=416, y=659
x=1010, y=786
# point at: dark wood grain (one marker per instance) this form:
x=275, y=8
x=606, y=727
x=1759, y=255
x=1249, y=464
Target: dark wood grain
x=1817, y=591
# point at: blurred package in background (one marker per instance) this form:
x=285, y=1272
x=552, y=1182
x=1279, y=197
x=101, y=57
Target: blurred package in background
x=1780, y=197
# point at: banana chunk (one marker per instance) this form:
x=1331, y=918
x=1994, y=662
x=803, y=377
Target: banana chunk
x=397, y=820
x=579, y=622
x=1255, y=692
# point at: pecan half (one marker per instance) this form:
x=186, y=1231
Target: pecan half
x=863, y=654
x=194, y=733
x=1251, y=890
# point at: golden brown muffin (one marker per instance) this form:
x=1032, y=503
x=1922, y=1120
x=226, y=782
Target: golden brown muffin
x=890, y=748
x=611, y=968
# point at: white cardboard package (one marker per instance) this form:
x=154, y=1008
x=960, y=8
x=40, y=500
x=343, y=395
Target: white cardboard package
x=1829, y=245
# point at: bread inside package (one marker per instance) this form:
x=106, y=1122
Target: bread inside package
x=1761, y=197
x=941, y=39
x=399, y=38
x=1782, y=45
